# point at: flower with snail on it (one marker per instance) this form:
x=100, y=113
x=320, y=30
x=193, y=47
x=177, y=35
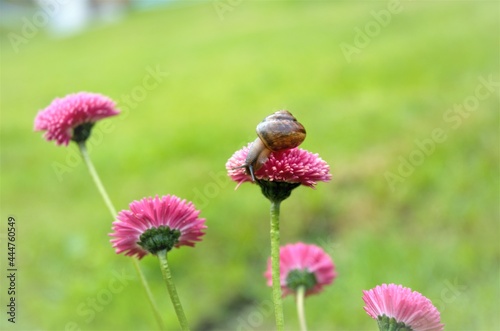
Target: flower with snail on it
x=303, y=265
x=155, y=224
x=283, y=171
x=72, y=117
x=399, y=308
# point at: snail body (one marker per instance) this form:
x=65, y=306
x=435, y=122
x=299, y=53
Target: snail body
x=277, y=132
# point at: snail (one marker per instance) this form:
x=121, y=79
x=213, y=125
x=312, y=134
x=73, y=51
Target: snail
x=277, y=132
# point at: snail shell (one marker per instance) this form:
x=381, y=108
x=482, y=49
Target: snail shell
x=281, y=131
x=277, y=132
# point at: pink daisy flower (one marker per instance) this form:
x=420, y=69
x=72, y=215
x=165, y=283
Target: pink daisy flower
x=303, y=265
x=282, y=172
x=155, y=224
x=292, y=166
x=72, y=117
x=398, y=308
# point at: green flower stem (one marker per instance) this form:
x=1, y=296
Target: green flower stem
x=97, y=180
x=300, y=307
x=151, y=299
x=275, y=264
x=112, y=210
x=167, y=276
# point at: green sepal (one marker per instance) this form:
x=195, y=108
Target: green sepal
x=386, y=323
x=82, y=132
x=276, y=191
x=300, y=277
x=157, y=239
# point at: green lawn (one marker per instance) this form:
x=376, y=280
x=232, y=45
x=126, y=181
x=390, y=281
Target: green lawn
x=405, y=120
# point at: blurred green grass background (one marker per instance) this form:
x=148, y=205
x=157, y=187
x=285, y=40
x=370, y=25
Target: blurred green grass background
x=435, y=231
